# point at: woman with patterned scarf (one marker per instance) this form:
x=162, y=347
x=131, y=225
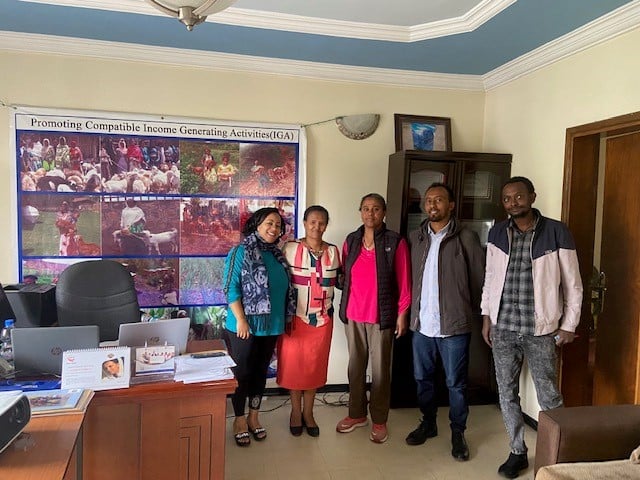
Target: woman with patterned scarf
x=261, y=301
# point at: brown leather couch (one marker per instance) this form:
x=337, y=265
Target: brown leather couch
x=587, y=434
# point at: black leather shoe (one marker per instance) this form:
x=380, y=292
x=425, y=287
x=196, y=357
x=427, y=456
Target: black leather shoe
x=296, y=431
x=460, y=449
x=420, y=434
x=313, y=431
x=514, y=464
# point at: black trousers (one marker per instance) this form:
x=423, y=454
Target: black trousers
x=252, y=357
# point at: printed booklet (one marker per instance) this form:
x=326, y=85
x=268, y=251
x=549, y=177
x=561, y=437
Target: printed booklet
x=58, y=402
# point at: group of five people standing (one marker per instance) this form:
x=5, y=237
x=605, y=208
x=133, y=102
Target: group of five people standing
x=526, y=287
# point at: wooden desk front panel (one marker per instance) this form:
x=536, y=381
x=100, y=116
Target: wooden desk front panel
x=193, y=428
x=157, y=431
x=112, y=442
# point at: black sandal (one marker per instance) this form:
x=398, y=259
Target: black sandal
x=259, y=433
x=242, y=439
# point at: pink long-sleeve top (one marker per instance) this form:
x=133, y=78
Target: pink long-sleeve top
x=363, y=294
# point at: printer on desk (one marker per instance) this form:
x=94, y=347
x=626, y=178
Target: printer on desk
x=33, y=305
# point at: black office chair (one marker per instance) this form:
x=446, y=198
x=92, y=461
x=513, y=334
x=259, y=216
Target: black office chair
x=97, y=292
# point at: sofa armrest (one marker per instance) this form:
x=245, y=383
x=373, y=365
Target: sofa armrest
x=587, y=434
x=611, y=470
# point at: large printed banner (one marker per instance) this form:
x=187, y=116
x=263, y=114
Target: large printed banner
x=167, y=198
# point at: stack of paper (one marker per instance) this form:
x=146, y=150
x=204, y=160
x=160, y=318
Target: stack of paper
x=193, y=370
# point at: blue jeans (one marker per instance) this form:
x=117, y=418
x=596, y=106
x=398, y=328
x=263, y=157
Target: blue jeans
x=454, y=352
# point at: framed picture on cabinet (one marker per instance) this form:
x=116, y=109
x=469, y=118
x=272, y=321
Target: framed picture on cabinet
x=416, y=132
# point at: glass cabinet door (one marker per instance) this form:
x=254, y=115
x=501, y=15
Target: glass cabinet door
x=421, y=175
x=480, y=193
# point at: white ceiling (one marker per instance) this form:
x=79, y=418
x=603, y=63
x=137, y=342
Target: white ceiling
x=397, y=12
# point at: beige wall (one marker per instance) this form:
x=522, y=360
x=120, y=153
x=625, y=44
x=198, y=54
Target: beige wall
x=339, y=172
x=529, y=117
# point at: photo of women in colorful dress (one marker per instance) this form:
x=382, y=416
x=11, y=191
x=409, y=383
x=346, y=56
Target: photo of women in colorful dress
x=60, y=225
x=52, y=163
x=210, y=168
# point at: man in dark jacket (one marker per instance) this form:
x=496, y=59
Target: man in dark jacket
x=447, y=262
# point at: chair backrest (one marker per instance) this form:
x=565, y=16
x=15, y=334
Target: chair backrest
x=97, y=292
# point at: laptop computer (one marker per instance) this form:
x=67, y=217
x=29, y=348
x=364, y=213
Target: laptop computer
x=38, y=351
x=173, y=331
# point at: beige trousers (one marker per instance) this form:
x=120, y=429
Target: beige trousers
x=365, y=342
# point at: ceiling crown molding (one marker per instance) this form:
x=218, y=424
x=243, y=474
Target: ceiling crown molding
x=54, y=45
x=468, y=22
x=605, y=28
x=474, y=18
x=481, y=13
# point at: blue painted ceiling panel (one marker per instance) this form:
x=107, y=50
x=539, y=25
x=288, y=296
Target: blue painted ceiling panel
x=520, y=28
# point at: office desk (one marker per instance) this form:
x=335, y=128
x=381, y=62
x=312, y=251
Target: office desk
x=44, y=451
x=156, y=431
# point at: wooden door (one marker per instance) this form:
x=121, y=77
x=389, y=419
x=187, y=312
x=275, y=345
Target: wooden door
x=615, y=378
x=602, y=366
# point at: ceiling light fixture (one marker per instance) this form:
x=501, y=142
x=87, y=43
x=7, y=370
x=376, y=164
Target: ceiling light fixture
x=191, y=12
x=358, y=127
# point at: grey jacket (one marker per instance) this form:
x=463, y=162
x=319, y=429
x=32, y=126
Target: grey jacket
x=460, y=276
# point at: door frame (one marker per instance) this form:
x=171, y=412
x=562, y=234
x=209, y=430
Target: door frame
x=582, y=151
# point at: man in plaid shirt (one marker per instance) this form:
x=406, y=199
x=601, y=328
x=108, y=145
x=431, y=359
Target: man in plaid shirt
x=530, y=305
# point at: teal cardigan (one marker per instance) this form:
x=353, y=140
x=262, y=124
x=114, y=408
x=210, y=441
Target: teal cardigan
x=278, y=285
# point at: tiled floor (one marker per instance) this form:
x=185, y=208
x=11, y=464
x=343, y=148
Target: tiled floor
x=352, y=456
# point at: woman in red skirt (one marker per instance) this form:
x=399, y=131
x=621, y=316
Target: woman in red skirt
x=303, y=353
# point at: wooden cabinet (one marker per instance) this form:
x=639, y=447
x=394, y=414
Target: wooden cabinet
x=476, y=179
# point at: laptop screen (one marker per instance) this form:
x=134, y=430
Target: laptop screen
x=172, y=332
x=38, y=351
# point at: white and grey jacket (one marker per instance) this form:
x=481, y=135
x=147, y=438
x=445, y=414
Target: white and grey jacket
x=557, y=286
